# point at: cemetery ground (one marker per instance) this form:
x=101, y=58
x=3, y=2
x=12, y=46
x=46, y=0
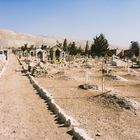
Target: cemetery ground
x=103, y=117
x=23, y=114
x=106, y=117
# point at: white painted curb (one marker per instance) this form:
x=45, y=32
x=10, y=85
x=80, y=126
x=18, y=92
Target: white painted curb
x=79, y=133
x=66, y=119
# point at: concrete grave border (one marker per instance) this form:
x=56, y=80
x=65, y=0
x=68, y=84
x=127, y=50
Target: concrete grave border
x=67, y=120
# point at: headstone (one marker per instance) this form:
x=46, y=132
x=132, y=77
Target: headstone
x=86, y=76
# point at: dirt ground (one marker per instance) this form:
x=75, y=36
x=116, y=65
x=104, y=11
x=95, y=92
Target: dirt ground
x=1, y=65
x=23, y=114
x=102, y=119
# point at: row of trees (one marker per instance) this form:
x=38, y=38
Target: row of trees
x=25, y=47
x=134, y=49
x=71, y=48
x=100, y=47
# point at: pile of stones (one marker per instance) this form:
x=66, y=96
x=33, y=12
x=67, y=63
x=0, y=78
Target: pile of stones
x=39, y=71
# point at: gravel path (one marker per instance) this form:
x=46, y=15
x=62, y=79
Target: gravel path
x=23, y=114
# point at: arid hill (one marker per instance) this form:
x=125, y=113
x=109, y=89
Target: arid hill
x=9, y=38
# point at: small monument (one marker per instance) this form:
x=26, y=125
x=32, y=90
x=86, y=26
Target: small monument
x=3, y=57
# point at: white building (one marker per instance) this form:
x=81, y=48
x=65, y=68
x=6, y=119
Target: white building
x=2, y=55
x=117, y=62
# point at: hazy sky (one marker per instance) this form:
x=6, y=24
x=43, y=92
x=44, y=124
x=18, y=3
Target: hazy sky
x=119, y=20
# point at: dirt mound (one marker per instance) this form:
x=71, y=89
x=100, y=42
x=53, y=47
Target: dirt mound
x=88, y=87
x=112, y=101
x=121, y=102
x=39, y=71
x=115, y=77
x=60, y=75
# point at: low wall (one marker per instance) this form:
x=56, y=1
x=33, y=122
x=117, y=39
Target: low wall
x=67, y=120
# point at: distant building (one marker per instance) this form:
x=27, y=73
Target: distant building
x=117, y=62
x=41, y=55
x=117, y=52
x=53, y=55
x=3, y=55
x=56, y=54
